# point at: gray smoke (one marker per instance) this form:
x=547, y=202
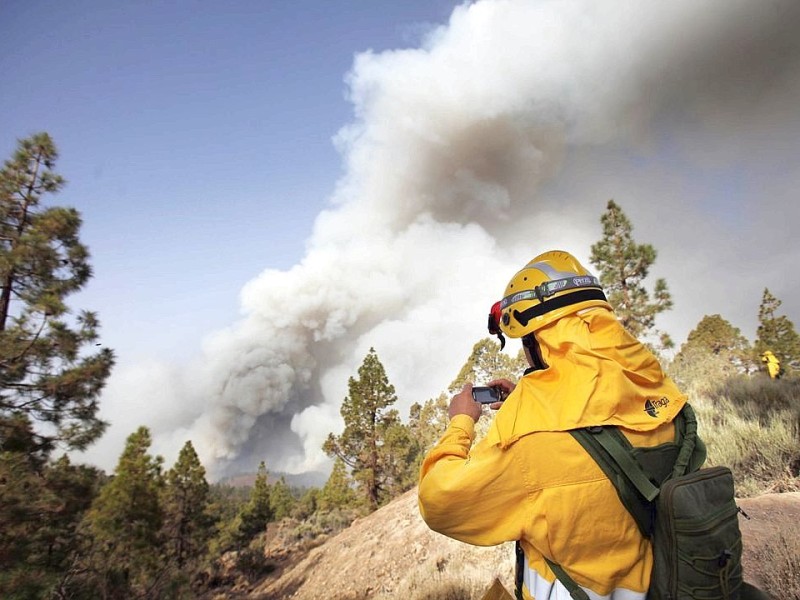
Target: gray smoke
x=504, y=134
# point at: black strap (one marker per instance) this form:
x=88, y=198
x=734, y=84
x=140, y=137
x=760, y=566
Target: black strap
x=519, y=571
x=576, y=591
x=560, y=302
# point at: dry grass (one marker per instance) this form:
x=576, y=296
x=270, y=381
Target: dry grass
x=446, y=590
x=443, y=587
x=752, y=425
x=459, y=576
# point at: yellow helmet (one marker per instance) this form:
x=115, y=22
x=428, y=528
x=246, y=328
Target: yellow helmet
x=551, y=286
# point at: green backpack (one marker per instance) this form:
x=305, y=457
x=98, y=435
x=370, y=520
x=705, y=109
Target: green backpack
x=688, y=512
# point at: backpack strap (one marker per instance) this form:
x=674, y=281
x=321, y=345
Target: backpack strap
x=575, y=591
x=636, y=485
x=612, y=453
x=637, y=473
x=693, y=451
x=610, y=441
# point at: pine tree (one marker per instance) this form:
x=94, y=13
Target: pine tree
x=487, y=362
x=401, y=455
x=369, y=422
x=226, y=505
x=338, y=490
x=124, y=524
x=257, y=512
x=623, y=266
x=187, y=522
x=713, y=350
x=76, y=487
x=41, y=504
x=46, y=371
x=308, y=504
x=25, y=502
x=281, y=501
x=777, y=333
x=428, y=421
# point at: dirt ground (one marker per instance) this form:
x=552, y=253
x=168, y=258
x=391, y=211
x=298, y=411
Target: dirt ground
x=769, y=515
x=391, y=552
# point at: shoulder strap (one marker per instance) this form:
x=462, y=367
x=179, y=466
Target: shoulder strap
x=575, y=591
x=613, y=454
x=637, y=489
x=693, y=451
x=620, y=453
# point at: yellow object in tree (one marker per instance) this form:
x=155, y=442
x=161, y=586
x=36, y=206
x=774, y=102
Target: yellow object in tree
x=772, y=363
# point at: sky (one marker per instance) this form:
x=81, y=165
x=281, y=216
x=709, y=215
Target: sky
x=269, y=189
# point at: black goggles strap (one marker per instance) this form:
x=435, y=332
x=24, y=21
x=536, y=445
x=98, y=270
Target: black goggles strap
x=526, y=315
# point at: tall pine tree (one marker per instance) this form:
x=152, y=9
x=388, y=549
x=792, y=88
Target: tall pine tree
x=26, y=504
x=50, y=369
x=187, y=522
x=337, y=491
x=777, y=333
x=623, y=266
x=281, y=501
x=369, y=424
x=255, y=515
x=124, y=525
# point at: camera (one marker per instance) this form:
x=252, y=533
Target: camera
x=488, y=395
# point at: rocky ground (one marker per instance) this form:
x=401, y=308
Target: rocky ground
x=392, y=554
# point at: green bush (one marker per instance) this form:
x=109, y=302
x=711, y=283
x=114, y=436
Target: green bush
x=326, y=522
x=252, y=563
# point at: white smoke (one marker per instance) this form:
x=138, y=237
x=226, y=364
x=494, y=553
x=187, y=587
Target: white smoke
x=503, y=135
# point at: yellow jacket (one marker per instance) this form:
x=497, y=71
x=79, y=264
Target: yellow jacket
x=772, y=362
x=529, y=480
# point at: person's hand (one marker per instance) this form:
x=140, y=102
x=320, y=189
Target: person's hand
x=463, y=404
x=505, y=385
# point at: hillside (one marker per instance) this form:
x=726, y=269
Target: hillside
x=392, y=554
x=389, y=554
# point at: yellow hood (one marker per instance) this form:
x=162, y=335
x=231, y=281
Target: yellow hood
x=597, y=374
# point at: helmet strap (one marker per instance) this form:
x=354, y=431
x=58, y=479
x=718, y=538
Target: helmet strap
x=532, y=344
x=545, y=307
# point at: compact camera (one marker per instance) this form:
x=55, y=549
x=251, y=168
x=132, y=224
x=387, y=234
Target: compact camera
x=488, y=395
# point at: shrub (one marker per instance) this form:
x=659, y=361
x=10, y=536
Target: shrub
x=438, y=587
x=252, y=563
x=753, y=427
x=761, y=398
x=326, y=522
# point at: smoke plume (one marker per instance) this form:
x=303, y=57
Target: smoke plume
x=502, y=135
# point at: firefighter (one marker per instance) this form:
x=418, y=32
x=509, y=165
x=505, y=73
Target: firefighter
x=529, y=480
x=772, y=363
